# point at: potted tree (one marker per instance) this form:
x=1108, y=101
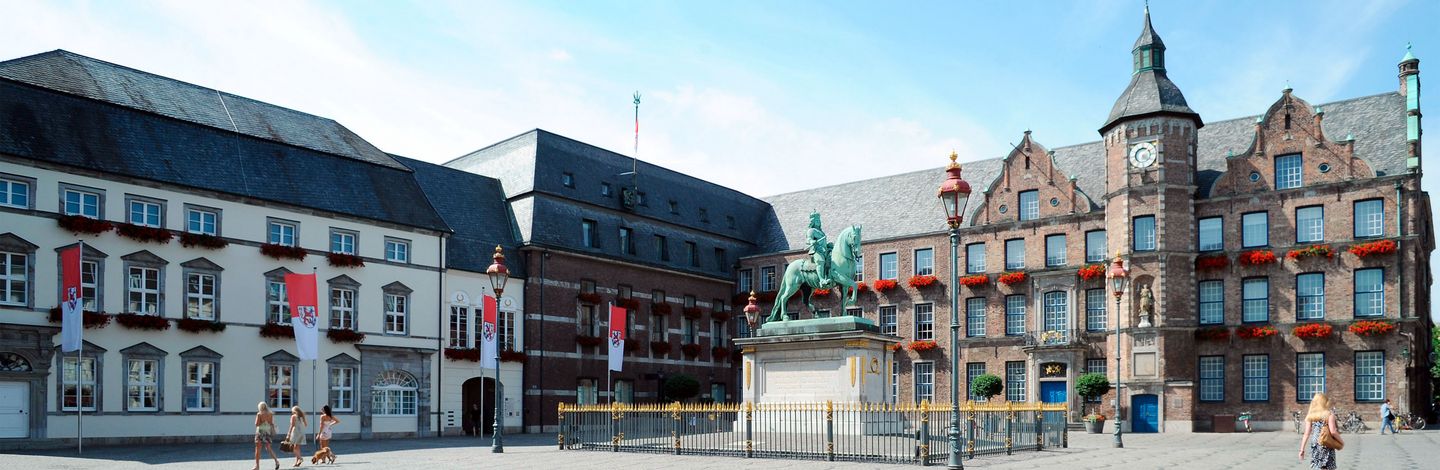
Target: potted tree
x=986, y=386
x=1091, y=386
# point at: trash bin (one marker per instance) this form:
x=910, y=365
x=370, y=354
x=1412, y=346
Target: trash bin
x=1222, y=423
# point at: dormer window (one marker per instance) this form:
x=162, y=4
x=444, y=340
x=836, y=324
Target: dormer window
x=1287, y=171
x=1029, y=205
x=567, y=179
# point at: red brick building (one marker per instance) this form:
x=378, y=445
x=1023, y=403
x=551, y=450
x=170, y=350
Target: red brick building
x=1249, y=233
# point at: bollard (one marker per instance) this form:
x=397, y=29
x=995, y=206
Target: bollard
x=560, y=436
x=749, y=430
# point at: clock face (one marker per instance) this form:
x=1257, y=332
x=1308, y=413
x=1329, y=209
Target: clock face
x=1143, y=154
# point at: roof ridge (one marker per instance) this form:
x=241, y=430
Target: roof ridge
x=654, y=165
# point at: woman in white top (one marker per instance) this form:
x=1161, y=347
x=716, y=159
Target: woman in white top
x=296, y=436
x=327, y=425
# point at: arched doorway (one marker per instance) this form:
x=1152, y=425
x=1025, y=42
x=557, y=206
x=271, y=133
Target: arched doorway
x=477, y=398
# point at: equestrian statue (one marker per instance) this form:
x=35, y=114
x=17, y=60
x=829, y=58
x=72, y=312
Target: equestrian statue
x=826, y=266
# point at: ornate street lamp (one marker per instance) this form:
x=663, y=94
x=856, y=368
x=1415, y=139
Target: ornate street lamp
x=752, y=313
x=498, y=275
x=1119, y=280
x=953, y=194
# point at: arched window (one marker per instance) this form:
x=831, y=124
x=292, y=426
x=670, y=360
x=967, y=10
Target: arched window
x=394, y=393
x=11, y=362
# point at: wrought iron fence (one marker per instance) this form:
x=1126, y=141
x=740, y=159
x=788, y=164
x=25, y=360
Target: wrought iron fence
x=865, y=432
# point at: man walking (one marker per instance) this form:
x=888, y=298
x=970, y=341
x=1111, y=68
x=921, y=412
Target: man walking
x=1387, y=418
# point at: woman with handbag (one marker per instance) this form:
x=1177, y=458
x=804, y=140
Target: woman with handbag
x=264, y=433
x=296, y=437
x=1321, y=424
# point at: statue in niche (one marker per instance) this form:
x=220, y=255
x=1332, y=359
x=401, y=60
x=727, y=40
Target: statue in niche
x=1147, y=306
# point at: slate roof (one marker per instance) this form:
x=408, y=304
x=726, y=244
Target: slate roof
x=66, y=129
x=905, y=204
x=95, y=79
x=548, y=213
x=474, y=207
x=1148, y=37
x=1150, y=91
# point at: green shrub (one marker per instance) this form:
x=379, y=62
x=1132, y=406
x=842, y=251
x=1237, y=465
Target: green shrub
x=1092, y=385
x=986, y=386
x=681, y=388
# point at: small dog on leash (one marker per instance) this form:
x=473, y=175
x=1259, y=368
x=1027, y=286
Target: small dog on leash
x=324, y=454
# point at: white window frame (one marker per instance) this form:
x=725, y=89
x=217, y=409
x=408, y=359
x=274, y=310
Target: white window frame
x=142, y=383
x=151, y=212
x=1055, y=258
x=1095, y=250
x=1370, y=386
x=1212, y=379
x=1288, y=171
x=198, y=294
x=974, y=370
x=397, y=250
x=277, y=301
x=196, y=399
x=1256, y=370
x=1147, y=239
x=343, y=241
x=1212, y=239
x=1210, y=295
x=506, y=331
x=971, y=264
x=1371, y=299
x=1309, y=375
x=195, y=220
x=1028, y=209
x=91, y=279
x=342, y=308
x=280, y=385
x=461, y=333
x=924, y=321
x=24, y=198
x=394, y=393
x=1255, y=229
x=1369, y=218
x=893, y=269
x=86, y=202
x=1057, y=311
x=975, y=317
x=1310, y=296
x=1252, y=304
x=139, y=295
x=1015, y=315
x=14, y=288
x=342, y=387
x=1014, y=254
x=924, y=373
x=282, y=232
x=1097, y=313
x=397, y=310
x=767, y=279
x=1015, y=381
x=1309, y=229
x=924, y=266
x=68, y=383
x=889, y=319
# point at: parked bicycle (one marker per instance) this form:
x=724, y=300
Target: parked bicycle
x=1410, y=421
x=1352, y=423
x=1295, y=415
x=1244, y=419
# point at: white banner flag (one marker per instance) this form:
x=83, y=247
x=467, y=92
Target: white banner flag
x=304, y=314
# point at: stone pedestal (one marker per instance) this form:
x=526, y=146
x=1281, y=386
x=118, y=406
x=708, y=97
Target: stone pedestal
x=841, y=359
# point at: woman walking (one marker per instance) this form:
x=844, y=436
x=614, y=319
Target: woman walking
x=264, y=433
x=1320, y=419
x=296, y=436
x=327, y=424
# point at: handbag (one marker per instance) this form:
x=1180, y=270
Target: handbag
x=1328, y=440
x=285, y=446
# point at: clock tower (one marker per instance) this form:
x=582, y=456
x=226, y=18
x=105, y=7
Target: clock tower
x=1150, y=152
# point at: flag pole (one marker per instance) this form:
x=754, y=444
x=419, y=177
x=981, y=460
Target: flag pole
x=79, y=360
x=609, y=393
x=314, y=405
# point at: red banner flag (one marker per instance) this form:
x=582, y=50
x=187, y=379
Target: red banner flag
x=489, y=332
x=617, y=337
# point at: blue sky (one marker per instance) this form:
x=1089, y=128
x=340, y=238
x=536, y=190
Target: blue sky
x=744, y=93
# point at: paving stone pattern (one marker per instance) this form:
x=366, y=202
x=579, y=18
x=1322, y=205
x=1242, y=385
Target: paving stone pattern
x=1413, y=450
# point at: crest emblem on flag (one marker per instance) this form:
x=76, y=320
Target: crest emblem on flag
x=488, y=331
x=308, y=315
x=616, y=337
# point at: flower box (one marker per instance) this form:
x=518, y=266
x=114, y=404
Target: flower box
x=691, y=350
x=78, y=224
x=89, y=318
x=588, y=297
x=720, y=316
x=924, y=280
x=199, y=326
x=661, y=308
x=283, y=251
x=1313, y=331
x=1011, y=279
x=344, y=335
x=342, y=260
x=1256, y=332
x=513, y=356
x=144, y=234
x=885, y=285
x=142, y=322
x=1382, y=247
x=1372, y=327
x=861, y=287
x=1211, y=262
x=589, y=341
x=1315, y=251
x=1257, y=257
x=1214, y=333
x=766, y=296
x=191, y=240
x=660, y=348
x=693, y=313
x=631, y=304
x=274, y=330
x=462, y=354
x=719, y=352
x=1094, y=271
x=631, y=345
x=820, y=293
x=922, y=346
x=975, y=280
x=895, y=346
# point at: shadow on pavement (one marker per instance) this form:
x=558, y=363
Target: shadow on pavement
x=347, y=451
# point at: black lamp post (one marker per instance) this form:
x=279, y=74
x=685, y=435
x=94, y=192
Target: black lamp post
x=498, y=275
x=1119, y=280
x=953, y=194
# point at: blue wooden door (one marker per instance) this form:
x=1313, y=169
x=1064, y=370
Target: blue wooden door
x=1052, y=392
x=1145, y=413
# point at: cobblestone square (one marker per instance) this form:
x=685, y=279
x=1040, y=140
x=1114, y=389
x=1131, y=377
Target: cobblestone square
x=1268, y=450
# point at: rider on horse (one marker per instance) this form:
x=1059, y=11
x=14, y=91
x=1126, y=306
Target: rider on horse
x=818, y=246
